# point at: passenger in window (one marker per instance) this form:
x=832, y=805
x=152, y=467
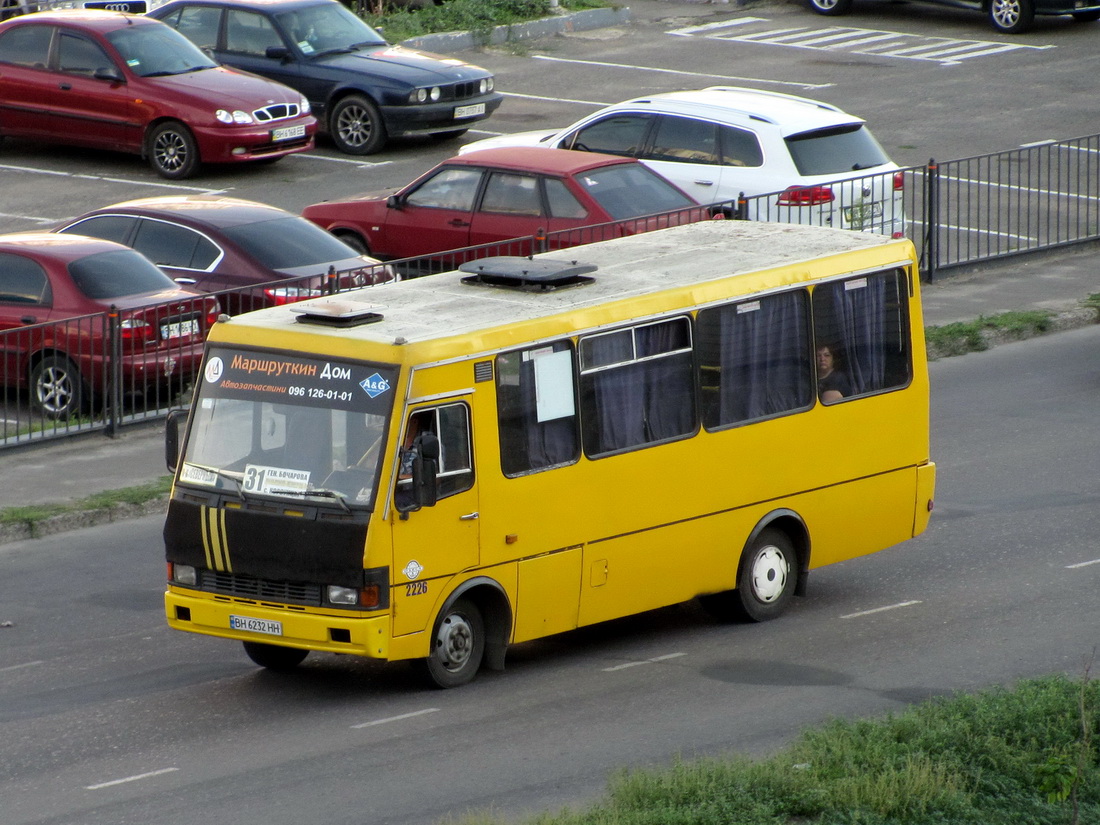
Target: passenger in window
x=832, y=384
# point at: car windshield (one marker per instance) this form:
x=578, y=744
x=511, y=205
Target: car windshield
x=290, y=242
x=155, y=51
x=631, y=189
x=836, y=151
x=116, y=274
x=276, y=426
x=326, y=28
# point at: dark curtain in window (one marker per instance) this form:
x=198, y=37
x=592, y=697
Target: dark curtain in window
x=548, y=442
x=861, y=325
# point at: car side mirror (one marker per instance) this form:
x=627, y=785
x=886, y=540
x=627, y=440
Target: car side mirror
x=277, y=52
x=394, y=202
x=109, y=73
x=172, y=438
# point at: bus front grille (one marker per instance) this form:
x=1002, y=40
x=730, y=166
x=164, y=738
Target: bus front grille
x=245, y=587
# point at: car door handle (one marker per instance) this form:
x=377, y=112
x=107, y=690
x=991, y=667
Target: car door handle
x=470, y=516
x=28, y=319
x=458, y=222
x=65, y=87
x=704, y=183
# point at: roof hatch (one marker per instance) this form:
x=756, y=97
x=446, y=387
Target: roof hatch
x=527, y=274
x=337, y=312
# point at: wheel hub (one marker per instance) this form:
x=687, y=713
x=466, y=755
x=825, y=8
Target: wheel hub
x=769, y=574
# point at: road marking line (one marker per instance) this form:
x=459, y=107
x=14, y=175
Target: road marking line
x=366, y=164
x=394, y=718
x=555, y=99
x=37, y=171
x=1082, y=564
x=726, y=24
x=31, y=218
x=643, y=662
x=880, y=609
x=17, y=667
x=679, y=72
x=134, y=778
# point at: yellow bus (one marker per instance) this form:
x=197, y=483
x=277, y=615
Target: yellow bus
x=436, y=469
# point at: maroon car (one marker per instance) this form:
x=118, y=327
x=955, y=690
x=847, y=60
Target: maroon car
x=498, y=194
x=129, y=83
x=70, y=306
x=210, y=243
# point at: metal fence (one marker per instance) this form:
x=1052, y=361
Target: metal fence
x=957, y=212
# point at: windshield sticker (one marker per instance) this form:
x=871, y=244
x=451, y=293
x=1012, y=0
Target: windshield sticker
x=194, y=474
x=374, y=385
x=215, y=369
x=305, y=46
x=275, y=481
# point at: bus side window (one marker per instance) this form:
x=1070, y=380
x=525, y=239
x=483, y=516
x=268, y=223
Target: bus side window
x=451, y=426
x=536, y=409
x=754, y=359
x=864, y=322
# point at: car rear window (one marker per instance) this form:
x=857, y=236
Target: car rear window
x=836, y=151
x=286, y=243
x=631, y=189
x=116, y=274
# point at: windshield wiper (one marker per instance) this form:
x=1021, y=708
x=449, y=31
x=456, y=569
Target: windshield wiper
x=340, y=50
x=335, y=495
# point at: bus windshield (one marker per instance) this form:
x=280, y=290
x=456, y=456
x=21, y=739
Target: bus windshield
x=281, y=427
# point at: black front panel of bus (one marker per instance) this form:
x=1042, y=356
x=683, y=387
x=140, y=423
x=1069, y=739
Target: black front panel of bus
x=265, y=545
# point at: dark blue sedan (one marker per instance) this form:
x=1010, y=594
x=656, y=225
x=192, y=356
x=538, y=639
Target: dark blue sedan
x=363, y=90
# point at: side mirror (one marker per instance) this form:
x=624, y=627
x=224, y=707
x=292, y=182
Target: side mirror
x=277, y=52
x=110, y=74
x=424, y=470
x=393, y=202
x=172, y=438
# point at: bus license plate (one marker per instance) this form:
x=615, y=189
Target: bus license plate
x=179, y=329
x=469, y=111
x=288, y=133
x=253, y=625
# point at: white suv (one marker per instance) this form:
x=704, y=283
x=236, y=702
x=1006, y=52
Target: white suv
x=823, y=165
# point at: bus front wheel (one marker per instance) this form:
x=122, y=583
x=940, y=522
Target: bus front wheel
x=274, y=657
x=458, y=645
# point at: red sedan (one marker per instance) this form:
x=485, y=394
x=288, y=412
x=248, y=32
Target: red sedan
x=499, y=194
x=129, y=83
x=67, y=301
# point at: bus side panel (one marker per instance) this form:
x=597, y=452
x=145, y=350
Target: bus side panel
x=549, y=590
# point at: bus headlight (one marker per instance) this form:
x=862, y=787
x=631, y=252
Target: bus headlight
x=184, y=574
x=342, y=595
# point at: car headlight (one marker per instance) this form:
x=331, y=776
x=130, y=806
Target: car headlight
x=303, y=106
x=236, y=116
x=424, y=95
x=485, y=86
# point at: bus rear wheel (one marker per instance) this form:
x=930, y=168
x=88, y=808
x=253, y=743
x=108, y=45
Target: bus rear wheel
x=458, y=645
x=274, y=657
x=766, y=581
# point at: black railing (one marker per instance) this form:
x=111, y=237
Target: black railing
x=957, y=212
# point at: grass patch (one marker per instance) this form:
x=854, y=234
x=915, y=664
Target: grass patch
x=983, y=759
x=974, y=336
x=476, y=16
x=140, y=494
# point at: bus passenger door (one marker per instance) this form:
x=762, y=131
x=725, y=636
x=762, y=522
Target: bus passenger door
x=433, y=543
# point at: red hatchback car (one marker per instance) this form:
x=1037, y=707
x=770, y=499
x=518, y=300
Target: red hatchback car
x=65, y=298
x=129, y=83
x=498, y=194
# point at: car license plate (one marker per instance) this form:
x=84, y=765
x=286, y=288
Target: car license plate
x=863, y=212
x=253, y=625
x=179, y=329
x=469, y=111
x=288, y=133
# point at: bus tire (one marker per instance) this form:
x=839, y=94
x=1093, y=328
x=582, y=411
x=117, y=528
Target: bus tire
x=274, y=657
x=767, y=577
x=458, y=645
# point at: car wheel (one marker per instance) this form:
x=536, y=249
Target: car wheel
x=831, y=8
x=458, y=644
x=172, y=151
x=356, y=126
x=451, y=135
x=275, y=657
x=57, y=389
x=354, y=240
x=1011, y=16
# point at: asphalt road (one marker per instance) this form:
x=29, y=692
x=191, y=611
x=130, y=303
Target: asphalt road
x=933, y=82
x=108, y=717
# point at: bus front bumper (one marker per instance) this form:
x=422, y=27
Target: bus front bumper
x=361, y=635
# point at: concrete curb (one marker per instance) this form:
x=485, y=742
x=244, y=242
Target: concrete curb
x=1059, y=322
x=576, y=21
x=77, y=520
